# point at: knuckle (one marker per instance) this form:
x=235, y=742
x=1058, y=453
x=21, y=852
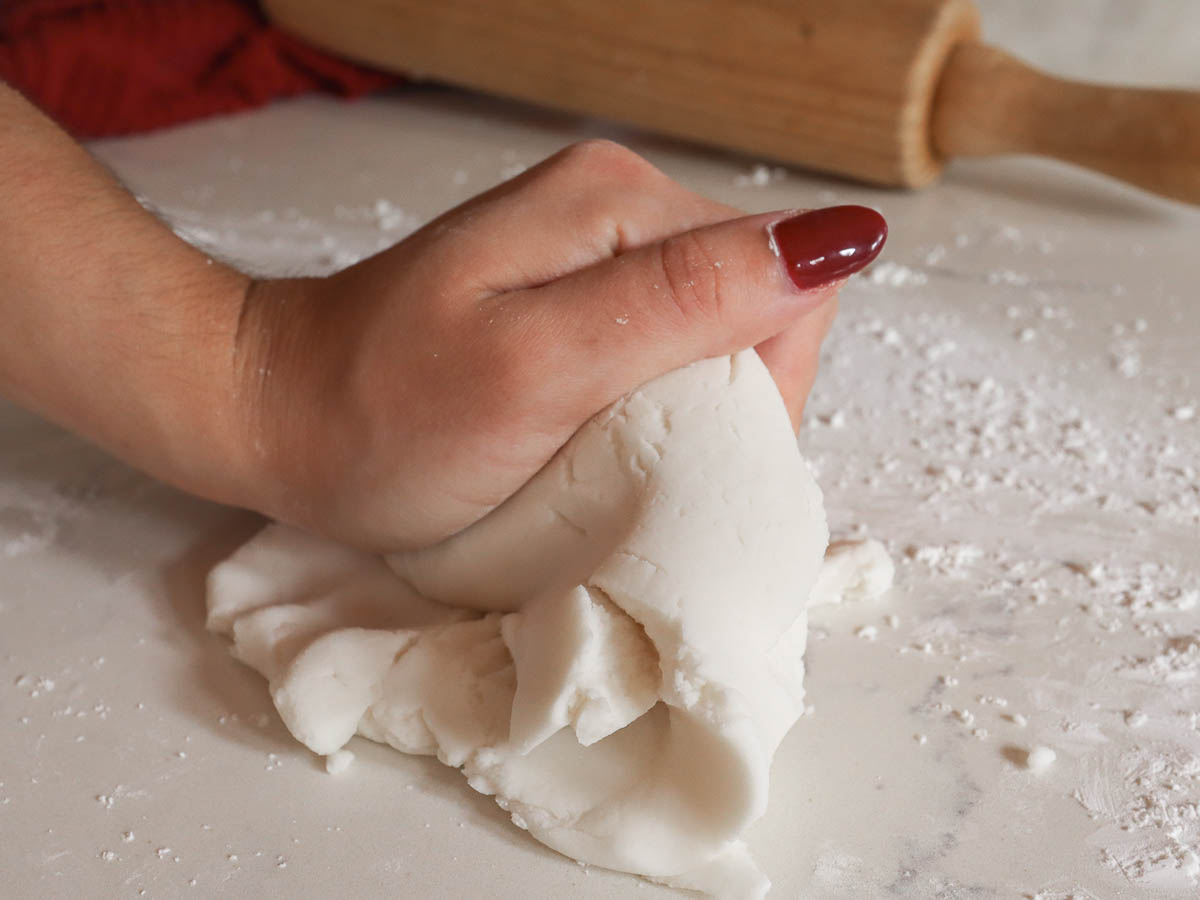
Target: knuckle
x=691, y=280
x=613, y=195
x=598, y=157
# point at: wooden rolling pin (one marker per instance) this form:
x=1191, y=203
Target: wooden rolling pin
x=880, y=90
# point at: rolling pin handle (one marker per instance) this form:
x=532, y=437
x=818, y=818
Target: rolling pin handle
x=989, y=103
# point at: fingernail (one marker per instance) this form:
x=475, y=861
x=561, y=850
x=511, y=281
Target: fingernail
x=823, y=245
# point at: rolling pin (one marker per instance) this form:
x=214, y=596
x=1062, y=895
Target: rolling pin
x=880, y=90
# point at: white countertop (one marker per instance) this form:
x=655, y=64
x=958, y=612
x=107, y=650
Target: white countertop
x=1010, y=399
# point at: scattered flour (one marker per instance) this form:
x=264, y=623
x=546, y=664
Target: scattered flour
x=760, y=176
x=1008, y=455
x=894, y=275
x=1149, y=801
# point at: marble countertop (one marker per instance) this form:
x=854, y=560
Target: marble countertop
x=1010, y=400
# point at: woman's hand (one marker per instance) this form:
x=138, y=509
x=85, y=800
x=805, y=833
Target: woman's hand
x=396, y=402
x=400, y=400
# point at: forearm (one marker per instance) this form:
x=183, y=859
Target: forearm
x=111, y=325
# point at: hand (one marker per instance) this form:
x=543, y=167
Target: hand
x=400, y=400
x=396, y=402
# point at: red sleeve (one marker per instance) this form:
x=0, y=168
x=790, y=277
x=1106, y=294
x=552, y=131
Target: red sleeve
x=107, y=67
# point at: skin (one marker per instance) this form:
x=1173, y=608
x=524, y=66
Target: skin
x=398, y=401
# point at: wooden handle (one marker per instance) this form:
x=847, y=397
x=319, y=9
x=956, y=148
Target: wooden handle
x=844, y=86
x=990, y=103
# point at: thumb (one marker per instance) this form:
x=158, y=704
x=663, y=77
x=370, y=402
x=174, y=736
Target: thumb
x=698, y=294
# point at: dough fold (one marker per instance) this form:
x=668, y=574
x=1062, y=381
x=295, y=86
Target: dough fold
x=615, y=652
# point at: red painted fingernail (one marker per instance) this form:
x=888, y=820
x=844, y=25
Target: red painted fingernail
x=823, y=245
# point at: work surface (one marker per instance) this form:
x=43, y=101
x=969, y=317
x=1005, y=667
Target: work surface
x=1009, y=400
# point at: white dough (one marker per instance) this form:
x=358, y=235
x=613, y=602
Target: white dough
x=1040, y=759
x=615, y=652
x=853, y=571
x=338, y=762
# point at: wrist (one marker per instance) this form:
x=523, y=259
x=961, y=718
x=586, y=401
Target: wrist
x=280, y=377
x=113, y=327
x=190, y=399
x=156, y=383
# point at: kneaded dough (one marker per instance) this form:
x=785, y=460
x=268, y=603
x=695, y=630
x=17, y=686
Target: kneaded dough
x=614, y=653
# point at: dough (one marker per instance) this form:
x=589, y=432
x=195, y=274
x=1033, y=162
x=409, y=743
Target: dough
x=615, y=652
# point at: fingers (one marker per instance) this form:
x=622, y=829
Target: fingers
x=698, y=294
x=587, y=203
x=793, y=354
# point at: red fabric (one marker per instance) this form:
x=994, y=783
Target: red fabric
x=107, y=67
